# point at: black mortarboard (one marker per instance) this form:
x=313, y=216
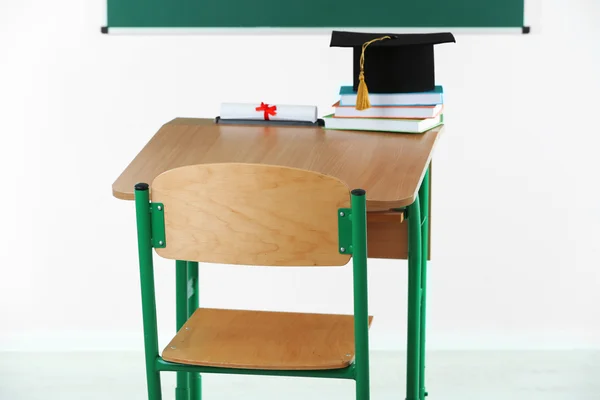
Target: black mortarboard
x=394, y=63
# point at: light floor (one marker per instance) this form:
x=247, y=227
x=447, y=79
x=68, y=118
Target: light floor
x=451, y=376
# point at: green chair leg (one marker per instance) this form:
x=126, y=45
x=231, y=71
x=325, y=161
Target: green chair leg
x=193, y=304
x=181, y=302
x=148, y=292
x=361, y=298
x=154, y=388
x=414, y=302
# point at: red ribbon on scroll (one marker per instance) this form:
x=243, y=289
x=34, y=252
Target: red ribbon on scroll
x=267, y=110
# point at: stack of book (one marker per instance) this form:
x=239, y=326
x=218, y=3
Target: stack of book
x=389, y=112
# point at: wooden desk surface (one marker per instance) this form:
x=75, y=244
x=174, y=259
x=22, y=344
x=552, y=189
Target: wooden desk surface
x=388, y=166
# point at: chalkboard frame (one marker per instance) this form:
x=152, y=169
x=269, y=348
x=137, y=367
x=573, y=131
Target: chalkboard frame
x=526, y=29
x=317, y=29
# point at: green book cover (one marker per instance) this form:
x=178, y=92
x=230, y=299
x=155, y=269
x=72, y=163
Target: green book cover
x=382, y=125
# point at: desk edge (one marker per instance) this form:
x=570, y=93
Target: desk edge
x=372, y=205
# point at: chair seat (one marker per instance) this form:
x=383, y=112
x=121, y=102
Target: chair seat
x=264, y=340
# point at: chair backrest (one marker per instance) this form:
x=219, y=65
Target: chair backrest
x=251, y=214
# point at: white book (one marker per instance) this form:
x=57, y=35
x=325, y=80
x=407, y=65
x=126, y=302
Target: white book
x=414, y=112
x=383, y=124
x=436, y=96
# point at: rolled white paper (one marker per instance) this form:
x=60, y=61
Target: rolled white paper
x=282, y=112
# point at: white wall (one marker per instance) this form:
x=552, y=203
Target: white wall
x=516, y=223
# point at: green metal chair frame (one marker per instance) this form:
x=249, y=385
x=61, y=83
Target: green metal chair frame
x=352, y=230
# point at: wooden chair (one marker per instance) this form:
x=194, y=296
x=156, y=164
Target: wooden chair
x=250, y=214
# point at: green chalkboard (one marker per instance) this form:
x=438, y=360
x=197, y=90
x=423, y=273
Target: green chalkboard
x=315, y=13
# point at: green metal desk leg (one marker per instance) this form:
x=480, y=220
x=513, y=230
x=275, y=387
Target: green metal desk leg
x=424, y=202
x=181, y=301
x=414, y=303
x=193, y=304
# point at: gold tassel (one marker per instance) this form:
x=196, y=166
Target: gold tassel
x=362, y=95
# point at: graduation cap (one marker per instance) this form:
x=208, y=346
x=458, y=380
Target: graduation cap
x=394, y=63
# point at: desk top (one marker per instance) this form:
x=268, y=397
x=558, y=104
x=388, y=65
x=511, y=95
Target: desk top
x=389, y=166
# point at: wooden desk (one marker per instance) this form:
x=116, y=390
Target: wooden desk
x=393, y=169
x=390, y=167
